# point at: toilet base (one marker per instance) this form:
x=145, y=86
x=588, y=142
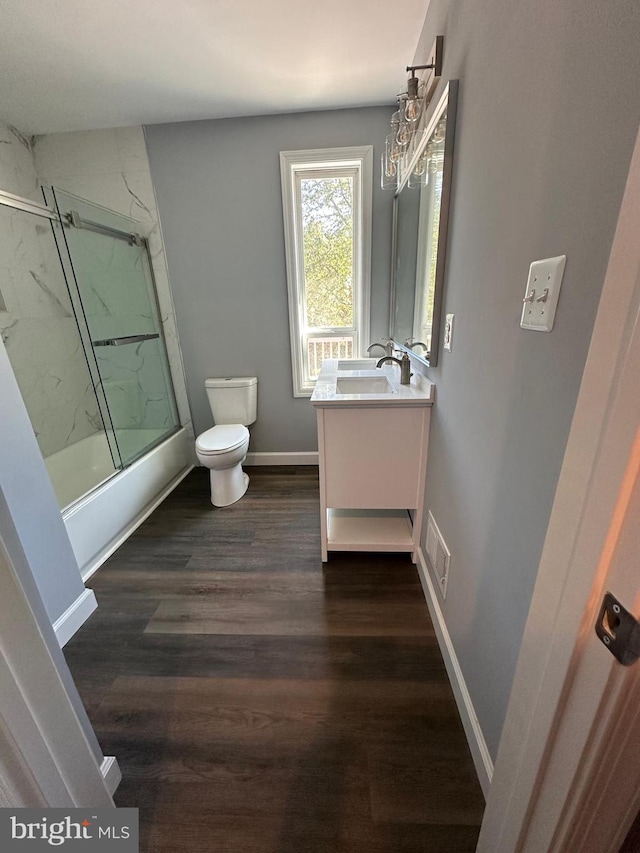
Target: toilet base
x=228, y=485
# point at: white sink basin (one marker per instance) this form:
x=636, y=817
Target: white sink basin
x=364, y=385
x=356, y=363
x=356, y=383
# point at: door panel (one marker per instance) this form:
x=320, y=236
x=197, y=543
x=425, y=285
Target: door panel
x=114, y=277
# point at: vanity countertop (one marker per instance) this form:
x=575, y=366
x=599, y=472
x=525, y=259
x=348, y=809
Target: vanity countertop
x=339, y=385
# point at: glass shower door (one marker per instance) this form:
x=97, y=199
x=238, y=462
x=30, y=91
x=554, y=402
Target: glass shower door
x=48, y=355
x=111, y=265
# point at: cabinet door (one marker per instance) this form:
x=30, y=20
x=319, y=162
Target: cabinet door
x=372, y=457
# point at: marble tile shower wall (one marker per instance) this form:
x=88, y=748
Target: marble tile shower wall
x=36, y=319
x=17, y=170
x=111, y=168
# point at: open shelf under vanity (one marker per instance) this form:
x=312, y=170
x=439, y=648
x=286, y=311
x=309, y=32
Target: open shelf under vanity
x=369, y=530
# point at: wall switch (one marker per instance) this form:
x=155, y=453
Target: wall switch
x=448, y=332
x=541, y=296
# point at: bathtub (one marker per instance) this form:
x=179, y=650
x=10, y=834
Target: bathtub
x=101, y=520
x=79, y=468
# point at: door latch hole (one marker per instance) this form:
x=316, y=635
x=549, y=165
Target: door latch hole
x=611, y=623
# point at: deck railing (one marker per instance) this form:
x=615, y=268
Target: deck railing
x=321, y=348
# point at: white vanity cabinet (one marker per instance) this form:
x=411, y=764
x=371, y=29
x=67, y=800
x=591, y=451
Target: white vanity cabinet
x=373, y=458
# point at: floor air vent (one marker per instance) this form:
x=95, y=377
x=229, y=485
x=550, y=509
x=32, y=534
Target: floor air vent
x=438, y=555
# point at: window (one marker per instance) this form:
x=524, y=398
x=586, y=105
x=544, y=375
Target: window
x=326, y=198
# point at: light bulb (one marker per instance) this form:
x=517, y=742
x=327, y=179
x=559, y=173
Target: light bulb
x=439, y=132
x=390, y=169
x=420, y=166
x=404, y=134
x=392, y=151
x=413, y=105
x=412, y=109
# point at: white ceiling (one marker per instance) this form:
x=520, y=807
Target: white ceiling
x=85, y=64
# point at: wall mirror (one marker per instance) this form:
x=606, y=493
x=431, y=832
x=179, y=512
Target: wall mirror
x=421, y=209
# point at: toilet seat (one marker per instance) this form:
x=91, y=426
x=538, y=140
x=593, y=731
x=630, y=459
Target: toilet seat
x=221, y=439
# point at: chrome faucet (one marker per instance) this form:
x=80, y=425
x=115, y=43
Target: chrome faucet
x=405, y=366
x=387, y=346
x=410, y=343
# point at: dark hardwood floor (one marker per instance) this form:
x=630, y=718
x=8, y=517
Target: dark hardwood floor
x=259, y=702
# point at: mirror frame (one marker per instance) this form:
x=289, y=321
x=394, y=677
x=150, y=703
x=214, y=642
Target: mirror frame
x=449, y=101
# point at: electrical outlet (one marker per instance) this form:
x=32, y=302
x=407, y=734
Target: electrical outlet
x=448, y=332
x=541, y=296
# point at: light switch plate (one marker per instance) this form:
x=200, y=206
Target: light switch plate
x=448, y=332
x=541, y=296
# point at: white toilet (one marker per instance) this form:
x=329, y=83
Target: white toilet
x=223, y=448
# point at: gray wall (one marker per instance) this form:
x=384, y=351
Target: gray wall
x=219, y=198
x=547, y=116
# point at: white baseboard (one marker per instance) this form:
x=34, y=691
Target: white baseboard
x=477, y=744
x=307, y=458
x=75, y=616
x=111, y=773
x=104, y=555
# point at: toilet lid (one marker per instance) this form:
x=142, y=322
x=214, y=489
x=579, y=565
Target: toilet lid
x=222, y=438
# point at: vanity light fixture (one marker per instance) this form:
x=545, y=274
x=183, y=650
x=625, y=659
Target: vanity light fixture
x=407, y=121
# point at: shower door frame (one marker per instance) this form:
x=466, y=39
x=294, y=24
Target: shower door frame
x=20, y=203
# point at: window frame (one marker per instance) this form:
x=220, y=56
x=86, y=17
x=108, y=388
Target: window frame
x=295, y=166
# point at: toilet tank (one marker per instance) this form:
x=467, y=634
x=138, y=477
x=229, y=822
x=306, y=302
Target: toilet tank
x=233, y=400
